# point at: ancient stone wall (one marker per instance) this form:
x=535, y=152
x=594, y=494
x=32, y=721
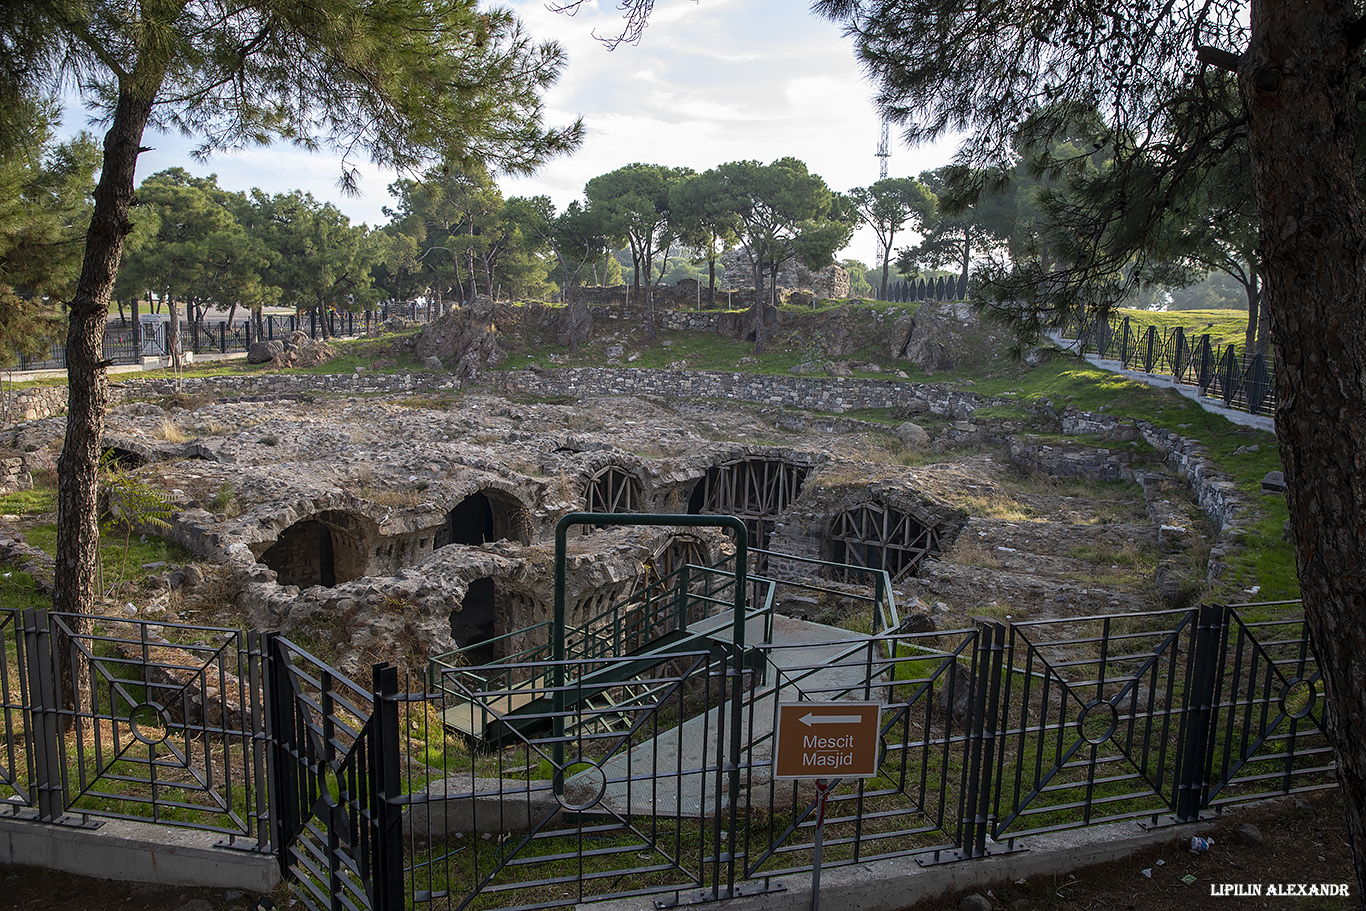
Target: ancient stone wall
x=831, y=282
x=31, y=404
x=14, y=476
x=1215, y=491
x=837, y=394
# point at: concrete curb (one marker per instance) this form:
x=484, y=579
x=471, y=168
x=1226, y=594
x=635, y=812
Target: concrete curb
x=889, y=885
x=137, y=852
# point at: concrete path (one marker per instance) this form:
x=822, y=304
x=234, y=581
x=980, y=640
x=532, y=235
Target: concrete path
x=676, y=773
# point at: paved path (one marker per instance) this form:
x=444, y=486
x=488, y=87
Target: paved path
x=676, y=773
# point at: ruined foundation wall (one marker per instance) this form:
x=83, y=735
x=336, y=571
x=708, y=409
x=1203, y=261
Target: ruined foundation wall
x=838, y=394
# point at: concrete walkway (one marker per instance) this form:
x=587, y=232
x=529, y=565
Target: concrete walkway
x=677, y=773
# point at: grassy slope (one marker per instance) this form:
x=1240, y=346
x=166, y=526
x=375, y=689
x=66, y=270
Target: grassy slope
x=1225, y=327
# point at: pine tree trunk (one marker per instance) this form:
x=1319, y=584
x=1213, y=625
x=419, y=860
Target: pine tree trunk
x=650, y=333
x=1253, y=290
x=78, y=535
x=173, y=332
x=967, y=251
x=757, y=310
x=1299, y=81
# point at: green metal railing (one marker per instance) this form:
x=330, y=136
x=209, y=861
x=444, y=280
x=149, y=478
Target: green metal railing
x=883, y=600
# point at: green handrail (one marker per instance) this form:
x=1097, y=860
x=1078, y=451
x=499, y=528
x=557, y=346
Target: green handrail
x=737, y=633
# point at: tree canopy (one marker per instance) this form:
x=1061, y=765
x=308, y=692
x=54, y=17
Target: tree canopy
x=404, y=83
x=887, y=207
x=779, y=212
x=45, y=190
x=635, y=202
x=1153, y=74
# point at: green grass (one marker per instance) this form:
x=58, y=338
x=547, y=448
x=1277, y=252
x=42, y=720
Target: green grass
x=18, y=591
x=1267, y=560
x=141, y=549
x=36, y=502
x=1224, y=327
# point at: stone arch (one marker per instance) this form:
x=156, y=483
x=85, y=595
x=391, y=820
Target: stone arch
x=613, y=489
x=325, y=549
x=880, y=536
x=123, y=459
x=487, y=514
x=756, y=489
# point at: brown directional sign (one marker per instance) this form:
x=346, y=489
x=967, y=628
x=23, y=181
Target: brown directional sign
x=826, y=740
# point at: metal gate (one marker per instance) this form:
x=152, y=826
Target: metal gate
x=334, y=777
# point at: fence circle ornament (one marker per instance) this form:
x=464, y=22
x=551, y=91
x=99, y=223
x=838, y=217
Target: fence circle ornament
x=1298, y=697
x=583, y=788
x=1097, y=722
x=330, y=783
x=150, y=723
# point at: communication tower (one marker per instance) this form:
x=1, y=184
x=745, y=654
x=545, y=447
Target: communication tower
x=883, y=150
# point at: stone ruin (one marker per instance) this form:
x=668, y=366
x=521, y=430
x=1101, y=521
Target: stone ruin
x=402, y=518
x=831, y=283
x=401, y=526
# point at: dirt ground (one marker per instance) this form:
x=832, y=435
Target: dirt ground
x=1304, y=841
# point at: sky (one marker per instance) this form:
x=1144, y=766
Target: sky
x=711, y=81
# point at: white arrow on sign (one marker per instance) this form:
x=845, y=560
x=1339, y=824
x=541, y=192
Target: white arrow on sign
x=811, y=718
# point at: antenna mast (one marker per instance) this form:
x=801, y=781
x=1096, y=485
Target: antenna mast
x=883, y=150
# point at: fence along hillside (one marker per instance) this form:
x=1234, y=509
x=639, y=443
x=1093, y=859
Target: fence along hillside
x=1241, y=382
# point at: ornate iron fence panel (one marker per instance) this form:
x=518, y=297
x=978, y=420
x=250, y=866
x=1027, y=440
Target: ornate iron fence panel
x=152, y=730
x=610, y=785
x=922, y=802
x=1091, y=721
x=1267, y=715
x=335, y=782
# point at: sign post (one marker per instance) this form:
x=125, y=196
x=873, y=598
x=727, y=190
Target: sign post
x=824, y=740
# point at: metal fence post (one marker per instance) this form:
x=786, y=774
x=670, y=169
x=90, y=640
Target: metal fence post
x=1205, y=373
x=386, y=861
x=1198, y=713
x=44, y=715
x=981, y=732
x=1230, y=378
x=282, y=770
x=681, y=602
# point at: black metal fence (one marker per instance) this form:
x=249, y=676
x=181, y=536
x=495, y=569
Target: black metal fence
x=988, y=735
x=1241, y=382
x=104, y=718
x=641, y=782
x=943, y=288
x=127, y=344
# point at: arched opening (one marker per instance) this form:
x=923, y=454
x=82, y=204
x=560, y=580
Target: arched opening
x=122, y=459
x=325, y=549
x=880, y=537
x=612, y=490
x=483, y=516
x=473, y=621
x=754, y=490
